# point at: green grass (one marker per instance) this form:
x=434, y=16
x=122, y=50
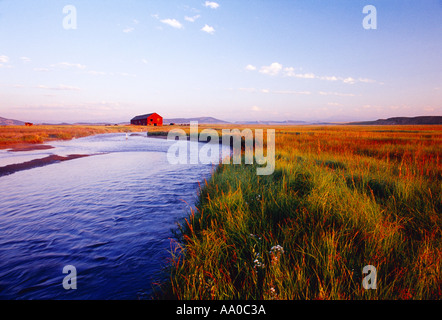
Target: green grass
x=307, y=231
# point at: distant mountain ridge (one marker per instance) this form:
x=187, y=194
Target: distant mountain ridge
x=10, y=122
x=201, y=120
x=402, y=121
x=270, y=122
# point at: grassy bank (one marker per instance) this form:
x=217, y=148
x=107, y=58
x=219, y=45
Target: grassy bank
x=339, y=199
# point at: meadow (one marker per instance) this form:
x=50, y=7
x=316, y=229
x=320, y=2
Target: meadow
x=341, y=198
x=15, y=135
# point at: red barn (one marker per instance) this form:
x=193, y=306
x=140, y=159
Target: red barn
x=150, y=119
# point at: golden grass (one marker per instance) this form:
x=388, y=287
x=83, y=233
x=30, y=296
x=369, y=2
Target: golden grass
x=341, y=197
x=13, y=135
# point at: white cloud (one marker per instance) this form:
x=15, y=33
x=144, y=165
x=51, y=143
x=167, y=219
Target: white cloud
x=25, y=59
x=329, y=78
x=290, y=72
x=255, y=108
x=41, y=69
x=349, y=80
x=306, y=76
x=4, y=60
x=277, y=68
x=173, y=23
x=271, y=70
x=211, y=4
x=208, y=29
x=192, y=19
x=250, y=67
x=128, y=30
x=144, y=61
x=365, y=80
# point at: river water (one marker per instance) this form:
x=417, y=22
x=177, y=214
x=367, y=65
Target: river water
x=109, y=215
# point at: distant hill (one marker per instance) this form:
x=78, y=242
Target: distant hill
x=201, y=120
x=402, y=121
x=10, y=122
x=92, y=123
x=55, y=124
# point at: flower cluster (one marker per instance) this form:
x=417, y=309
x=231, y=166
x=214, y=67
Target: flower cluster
x=276, y=249
x=273, y=294
x=276, y=252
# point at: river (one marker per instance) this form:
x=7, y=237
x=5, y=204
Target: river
x=110, y=215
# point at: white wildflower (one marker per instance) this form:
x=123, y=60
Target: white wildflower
x=277, y=249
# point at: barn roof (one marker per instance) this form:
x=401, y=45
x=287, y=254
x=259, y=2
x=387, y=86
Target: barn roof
x=144, y=116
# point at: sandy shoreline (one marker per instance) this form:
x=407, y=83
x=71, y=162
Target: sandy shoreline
x=20, y=147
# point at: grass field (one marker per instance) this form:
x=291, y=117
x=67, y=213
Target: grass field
x=13, y=135
x=341, y=198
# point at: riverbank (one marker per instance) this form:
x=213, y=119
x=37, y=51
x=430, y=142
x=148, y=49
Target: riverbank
x=12, y=168
x=23, y=147
x=339, y=200
x=23, y=138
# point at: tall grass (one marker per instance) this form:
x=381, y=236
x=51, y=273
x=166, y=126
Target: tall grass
x=339, y=199
x=10, y=135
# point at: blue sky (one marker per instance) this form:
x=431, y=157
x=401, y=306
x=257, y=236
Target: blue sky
x=230, y=59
